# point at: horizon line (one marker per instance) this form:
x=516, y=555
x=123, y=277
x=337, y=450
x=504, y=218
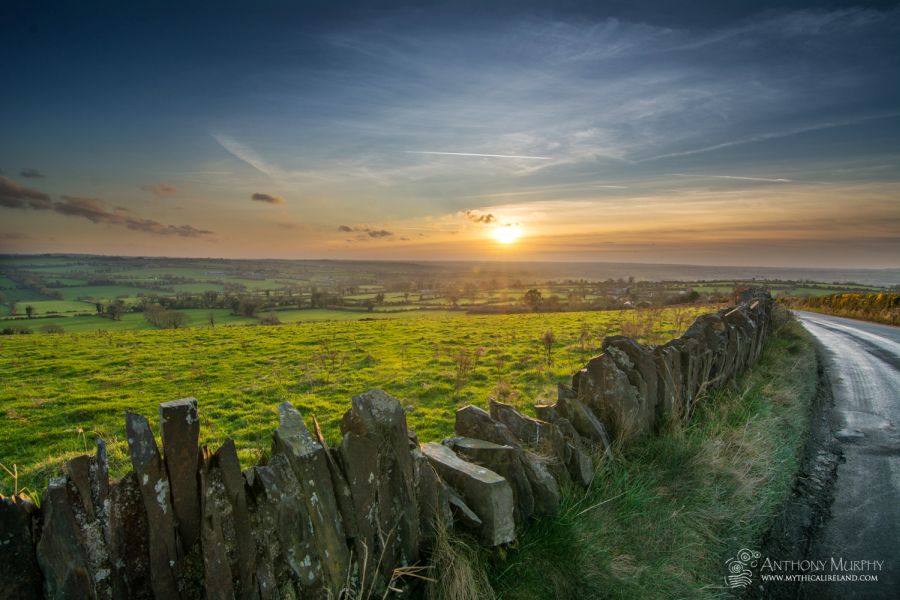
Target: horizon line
x=419, y=260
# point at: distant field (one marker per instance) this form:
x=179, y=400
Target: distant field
x=42, y=307
x=21, y=295
x=194, y=288
x=103, y=292
x=197, y=317
x=57, y=392
x=324, y=314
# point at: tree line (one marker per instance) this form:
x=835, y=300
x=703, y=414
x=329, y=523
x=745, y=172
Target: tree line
x=881, y=308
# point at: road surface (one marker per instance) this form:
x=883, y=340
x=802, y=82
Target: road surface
x=863, y=362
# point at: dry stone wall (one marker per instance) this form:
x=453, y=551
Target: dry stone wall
x=320, y=522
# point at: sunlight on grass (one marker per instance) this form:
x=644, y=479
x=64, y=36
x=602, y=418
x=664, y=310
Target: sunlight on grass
x=53, y=387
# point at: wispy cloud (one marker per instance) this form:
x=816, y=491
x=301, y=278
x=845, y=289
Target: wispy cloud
x=763, y=137
x=160, y=189
x=249, y=156
x=31, y=174
x=13, y=195
x=15, y=236
x=367, y=231
x=737, y=177
x=476, y=216
x=478, y=155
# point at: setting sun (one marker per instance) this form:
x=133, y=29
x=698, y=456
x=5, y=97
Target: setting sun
x=507, y=234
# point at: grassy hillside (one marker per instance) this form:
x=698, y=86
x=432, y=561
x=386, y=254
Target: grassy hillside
x=58, y=392
x=661, y=520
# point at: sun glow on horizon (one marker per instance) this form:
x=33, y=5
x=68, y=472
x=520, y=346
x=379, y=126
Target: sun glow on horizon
x=507, y=234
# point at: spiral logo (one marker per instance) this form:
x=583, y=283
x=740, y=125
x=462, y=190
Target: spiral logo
x=739, y=573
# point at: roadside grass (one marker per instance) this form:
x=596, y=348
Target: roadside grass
x=660, y=521
x=59, y=392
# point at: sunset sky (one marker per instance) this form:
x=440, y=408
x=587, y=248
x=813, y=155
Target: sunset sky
x=756, y=133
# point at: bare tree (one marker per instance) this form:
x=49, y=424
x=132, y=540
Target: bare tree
x=465, y=362
x=584, y=335
x=329, y=357
x=549, y=340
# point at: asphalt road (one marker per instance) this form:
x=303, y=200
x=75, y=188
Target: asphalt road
x=863, y=363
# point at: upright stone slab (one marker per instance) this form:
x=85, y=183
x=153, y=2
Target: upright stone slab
x=709, y=331
x=214, y=509
x=78, y=470
x=547, y=412
x=432, y=497
x=604, y=386
x=567, y=461
x=582, y=419
x=83, y=486
x=506, y=461
x=379, y=468
x=288, y=561
x=578, y=454
x=129, y=541
x=101, y=476
x=544, y=486
x=339, y=483
x=670, y=407
x=739, y=319
x=61, y=551
x=585, y=422
x=239, y=543
x=488, y=494
x=151, y=474
x=690, y=351
x=310, y=465
x=533, y=432
x=638, y=364
x=180, y=428
x=20, y=576
x=475, y=422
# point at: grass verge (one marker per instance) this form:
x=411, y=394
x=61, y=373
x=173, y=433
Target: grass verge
x=660, y=521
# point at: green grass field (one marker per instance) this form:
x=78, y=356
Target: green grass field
x=104, y=292
x=42, y=307
x=197, y=317
x=58, y=392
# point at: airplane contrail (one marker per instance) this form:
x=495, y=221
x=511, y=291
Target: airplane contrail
x=739, y=177
x=481, y=155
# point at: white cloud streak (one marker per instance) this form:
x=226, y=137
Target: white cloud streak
x=478, y=155
x=737, y=177
x=247, y=155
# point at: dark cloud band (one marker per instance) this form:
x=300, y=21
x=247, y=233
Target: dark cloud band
x=267, y=198
x=13, y=195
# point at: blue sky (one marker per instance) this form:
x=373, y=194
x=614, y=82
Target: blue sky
x=755, y=133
